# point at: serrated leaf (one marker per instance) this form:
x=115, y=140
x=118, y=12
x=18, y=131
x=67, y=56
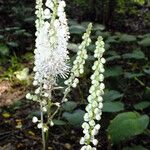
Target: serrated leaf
x=113, y=106
x=142, y=105
x=75, y=118
x=127, y=125
x=69, y=106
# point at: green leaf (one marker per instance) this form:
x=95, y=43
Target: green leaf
x=75, y=118
x=73, y=47
x=69, y=106
x=138, y=147
x=72, y=22
x=91, y=47
x=132, y=75
x=142, y=105
x=13, y=44
x=1, y=37
x=113, y=58
x=147, y=94
x=34, y=113
x=127, y=125
x=113, y=106
x=112, y=95
x=136, y=54
x=103, y=34
x=59, y=122
x=98, y=27
x=145, y=42
x=77, y=29
x=127, y=38
x=4, y=51
x=112, y=39
x=147, y=70
x=85, y=23
x=113, y=71
x=141, y=2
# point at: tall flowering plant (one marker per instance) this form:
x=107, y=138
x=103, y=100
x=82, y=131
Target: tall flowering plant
x=51, y=57
x=51, y=62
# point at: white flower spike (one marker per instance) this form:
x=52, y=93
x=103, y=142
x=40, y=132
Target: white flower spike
x=94, y=108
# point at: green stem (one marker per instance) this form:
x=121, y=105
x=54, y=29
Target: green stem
x=139, y=81
x=43, y=134
x=47, y=137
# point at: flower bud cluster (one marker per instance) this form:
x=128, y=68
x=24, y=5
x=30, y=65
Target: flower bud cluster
x=95, y=105
x=78, y=64
x=40, y=14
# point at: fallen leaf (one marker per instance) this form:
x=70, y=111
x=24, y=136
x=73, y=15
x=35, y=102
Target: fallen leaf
x=6, y=115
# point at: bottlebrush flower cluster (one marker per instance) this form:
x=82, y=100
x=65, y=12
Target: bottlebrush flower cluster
x=94, y=108
x=51, y=53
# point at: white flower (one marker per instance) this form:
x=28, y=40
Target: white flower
x=49, y=4
x=35, y=83
x=51, y=53
x=46, y=94
x=51, y=123
x=97, y=127
x=82, y=141
x=40, y=125
x=28, y=96
x=47, y=13
x=44, y=109
x=45, y=129
x=57, y=104
x=34, y=119
x=95, y=142
x=37, y=91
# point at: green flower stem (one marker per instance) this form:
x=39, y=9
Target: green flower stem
x=43, y=134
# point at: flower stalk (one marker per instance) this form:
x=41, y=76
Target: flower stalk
x=95, y=100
